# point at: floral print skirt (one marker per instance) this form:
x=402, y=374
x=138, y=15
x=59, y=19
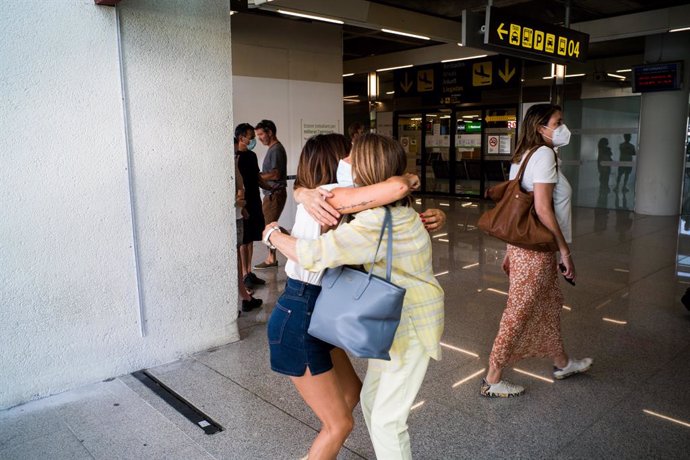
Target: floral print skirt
x=531, y=322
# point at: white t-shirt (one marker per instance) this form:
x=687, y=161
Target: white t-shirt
x=305, y=228
x=541, y=169
x=345, y=174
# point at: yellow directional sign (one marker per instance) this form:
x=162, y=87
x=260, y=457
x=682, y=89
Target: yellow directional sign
x=482, y=73
x=507, y=74
x=514, y=35
x=527, y=35
x=425, y=80
x=406, y=85
x=538, y=40
x=531, y=39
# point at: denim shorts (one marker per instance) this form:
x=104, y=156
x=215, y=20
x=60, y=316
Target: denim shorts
x=292, y=348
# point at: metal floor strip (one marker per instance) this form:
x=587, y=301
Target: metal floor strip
x=177, y=402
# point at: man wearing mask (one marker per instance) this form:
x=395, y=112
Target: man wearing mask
x=274, y=174
x=254, y=224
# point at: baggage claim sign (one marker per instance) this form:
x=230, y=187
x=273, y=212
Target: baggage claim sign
x=533, y=40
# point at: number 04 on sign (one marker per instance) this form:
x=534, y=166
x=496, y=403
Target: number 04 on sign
x=533, y=40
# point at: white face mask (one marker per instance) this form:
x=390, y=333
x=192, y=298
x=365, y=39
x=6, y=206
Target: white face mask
x=344, y=174
x=561, y=136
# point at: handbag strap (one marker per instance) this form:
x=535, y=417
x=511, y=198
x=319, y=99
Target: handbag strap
x=387, y=223
x=523, y=166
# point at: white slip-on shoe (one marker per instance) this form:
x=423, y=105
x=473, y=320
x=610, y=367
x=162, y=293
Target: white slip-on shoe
x=575, y=366
x=502, y=389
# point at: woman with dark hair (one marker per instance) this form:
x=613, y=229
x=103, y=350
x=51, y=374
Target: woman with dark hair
x=390, y=387
x=322, y=374
x=531, y=322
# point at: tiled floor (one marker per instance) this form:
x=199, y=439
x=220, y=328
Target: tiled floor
x=624, y=312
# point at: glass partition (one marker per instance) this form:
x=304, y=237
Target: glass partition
x=600, y=161
x=468, y=151
x=410, y=136
x=437, y=149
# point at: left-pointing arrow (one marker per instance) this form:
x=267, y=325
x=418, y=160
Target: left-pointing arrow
x=501, y=31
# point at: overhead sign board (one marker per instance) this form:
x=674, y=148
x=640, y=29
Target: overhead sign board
x=451, y=82
x=530, y=39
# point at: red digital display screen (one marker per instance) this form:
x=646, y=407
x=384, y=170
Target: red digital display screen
x=665, y=76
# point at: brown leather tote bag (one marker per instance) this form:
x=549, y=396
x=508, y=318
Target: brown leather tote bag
x=514, y=219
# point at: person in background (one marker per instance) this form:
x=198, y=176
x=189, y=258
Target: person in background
x=604, y=155
x=531, y=322
x=627, y=152
x=355, y=130
x=248, y=301
x=390, y=387
x=322, y=374
x=274, y=174
x=248, y=165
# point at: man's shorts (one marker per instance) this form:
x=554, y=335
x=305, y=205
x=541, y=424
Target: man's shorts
x=273, y=205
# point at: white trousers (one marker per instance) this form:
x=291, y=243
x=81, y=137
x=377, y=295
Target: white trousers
x=387, y=397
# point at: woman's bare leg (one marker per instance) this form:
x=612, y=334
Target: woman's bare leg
x=324, y=396
x=350, y=383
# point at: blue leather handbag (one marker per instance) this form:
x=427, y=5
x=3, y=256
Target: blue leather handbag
x=357, y=311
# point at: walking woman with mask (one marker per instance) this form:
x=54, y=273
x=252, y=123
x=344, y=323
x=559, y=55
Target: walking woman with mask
x=531, y=322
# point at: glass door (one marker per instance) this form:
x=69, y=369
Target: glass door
x=437, y=151
x=499, y=143
x=409, y=134
x=468, y=151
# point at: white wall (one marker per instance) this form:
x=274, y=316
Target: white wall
x=290, y=72
x=288, y=103
x=68, y=301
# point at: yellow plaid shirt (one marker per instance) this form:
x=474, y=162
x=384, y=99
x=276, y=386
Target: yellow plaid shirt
x=354, y=243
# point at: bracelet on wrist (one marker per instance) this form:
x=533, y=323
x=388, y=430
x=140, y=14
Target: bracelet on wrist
x=267, y=238
x=563, y=256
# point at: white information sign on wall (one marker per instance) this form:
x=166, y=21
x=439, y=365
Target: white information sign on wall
x=504, y=145
x=311, y=129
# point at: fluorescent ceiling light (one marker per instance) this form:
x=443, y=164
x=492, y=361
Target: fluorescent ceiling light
x=616, y=76
x=309, y=16
x=623, y=70
x=567, y=76
x=348, y=97
x=348, y=74
x=394, y=68
x=405, y=34
x=464, y=58
x=679, y=30
x=390, y=92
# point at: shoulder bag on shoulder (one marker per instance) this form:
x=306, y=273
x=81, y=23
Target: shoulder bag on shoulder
x=514, y=219
x=357, y=311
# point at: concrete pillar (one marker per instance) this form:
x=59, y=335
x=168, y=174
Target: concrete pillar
x=663, y=118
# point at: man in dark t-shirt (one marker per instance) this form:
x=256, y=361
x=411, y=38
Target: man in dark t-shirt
x=254, y=224
x=274, y=174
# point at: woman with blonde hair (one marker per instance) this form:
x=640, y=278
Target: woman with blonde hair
x=322, y=374
x=390, y=387
x=531, y=322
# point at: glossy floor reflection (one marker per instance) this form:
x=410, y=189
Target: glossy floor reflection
x=624, y=312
